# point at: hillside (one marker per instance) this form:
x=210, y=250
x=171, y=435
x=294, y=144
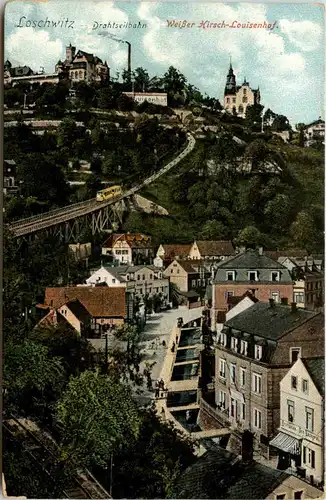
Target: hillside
x=208, y=196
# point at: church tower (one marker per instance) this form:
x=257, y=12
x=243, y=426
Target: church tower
x=230, y=86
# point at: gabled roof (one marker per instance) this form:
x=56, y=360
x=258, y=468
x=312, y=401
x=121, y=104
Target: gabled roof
x=77, y=308
x=316, y=369
x=215, y=248
x=187, y=266
x=136, y=240
x=269, y=322
x=316, y=122
x=175, y=250
x=99, y=301
x=89, y=57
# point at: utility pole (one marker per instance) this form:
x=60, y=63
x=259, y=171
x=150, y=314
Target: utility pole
x=111, y=474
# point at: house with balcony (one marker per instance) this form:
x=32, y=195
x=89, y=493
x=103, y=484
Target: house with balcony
x=300, y=440
x=249, y=271
x=128, y=248
x=253, y=352
x=138, y=281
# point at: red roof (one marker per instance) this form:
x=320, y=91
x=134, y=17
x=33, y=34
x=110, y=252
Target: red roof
x=133, y=240
x=100, y=302
x=172, y=251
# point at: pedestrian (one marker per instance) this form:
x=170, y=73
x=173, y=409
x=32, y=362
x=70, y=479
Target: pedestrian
x=161, y=383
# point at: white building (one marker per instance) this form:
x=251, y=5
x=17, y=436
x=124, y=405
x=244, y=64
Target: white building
x=301, y=433
x=139, y=281
x=314, y=132
x=160, y=98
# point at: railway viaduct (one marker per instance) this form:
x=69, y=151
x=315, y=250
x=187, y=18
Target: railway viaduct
x=68, y=222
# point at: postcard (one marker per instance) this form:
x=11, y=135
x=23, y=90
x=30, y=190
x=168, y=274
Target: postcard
x=163, y=207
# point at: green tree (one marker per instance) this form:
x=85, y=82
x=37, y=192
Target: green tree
x=98, y=417
x=303, y=231
x=250, y=236
x=254, y=116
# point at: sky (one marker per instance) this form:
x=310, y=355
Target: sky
x=286, y=62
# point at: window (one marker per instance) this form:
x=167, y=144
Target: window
x=234, y=343
x=308, y=457
x=309, y=419
x=290, y=411
x=243, y=347
x=294, y=354
x=298, y=494
x=228, y=294
x=118, y=252
x=256, y=383
x=178, y=271
x=243, y=411
x=275, y=276
x=113, y=280
x=258, y=351
x=242, y=376
x=233, y=369
x=198, y=282
x=143, y=277
x=222, y=368
x=294, y=382
x=223, y=339
x=222, y=399
x=244, y=91
x=230, y=275
x=233, y=99
x=150, y=276
x=257, y=418
x=245, y=99
x=281, y=496
x=298, y=297
x=240, y=109
x=305, y=386
x=193, y=282
x=138, y=277
x=252, y=275
x=228, y=100
x=275, y=296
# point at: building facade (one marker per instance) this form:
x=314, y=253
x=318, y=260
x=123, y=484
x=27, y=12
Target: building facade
x=254, y=351
x=250, y=271
x=238, y=98
x=81, y=66
x=188, y=274
x=300, y=440
x=128, y=249
x=159, y=98
x=314, y=132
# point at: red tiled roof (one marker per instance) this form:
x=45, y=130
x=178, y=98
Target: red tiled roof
x=100, y=302
x=215, y=248
x=172, y=251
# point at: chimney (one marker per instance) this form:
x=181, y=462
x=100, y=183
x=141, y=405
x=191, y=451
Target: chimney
x=271, y=303
x=284, y=301
x=247, y=446
x=293, y=307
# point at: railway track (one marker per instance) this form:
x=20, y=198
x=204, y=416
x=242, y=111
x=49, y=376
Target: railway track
x=44, y=451
x=36, y=223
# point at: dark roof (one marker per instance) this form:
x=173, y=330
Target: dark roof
x=250, y=259
x=269, y=322
x=176, y=250
x=21, y=71
x=220, y=474
x=215, y=248
x=77, y=308
x=235, y=299
x=316, y=370
x=187, y=266
x=191, y=294
x=314, y=123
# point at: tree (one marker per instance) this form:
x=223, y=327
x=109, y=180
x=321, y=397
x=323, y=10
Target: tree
x=250, y=236
x=141, y=80
x=254, y=116
x=98, y=418
x=281, y=123
x=303, y=231
x=31, y=378
x=148, y=467
x=85, y=94
x=300, y=127
x=174, y=81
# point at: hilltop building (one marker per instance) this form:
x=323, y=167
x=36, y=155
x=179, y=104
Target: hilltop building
x=82, y=66
x=238, y=97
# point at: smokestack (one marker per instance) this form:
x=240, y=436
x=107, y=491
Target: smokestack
x=271, y=303
x=247, y=446
x=293, y=307
x=129, y=57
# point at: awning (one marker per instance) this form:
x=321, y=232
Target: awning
x=286, y=443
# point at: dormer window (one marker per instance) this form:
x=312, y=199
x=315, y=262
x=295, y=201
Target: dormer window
x=234, y=343
x=223, y=339
x=230, y=275
x=258, y=351
x=253, y=275
x=243, y=347
x=275, y=276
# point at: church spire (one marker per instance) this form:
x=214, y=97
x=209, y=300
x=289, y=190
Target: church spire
x=230, y=87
